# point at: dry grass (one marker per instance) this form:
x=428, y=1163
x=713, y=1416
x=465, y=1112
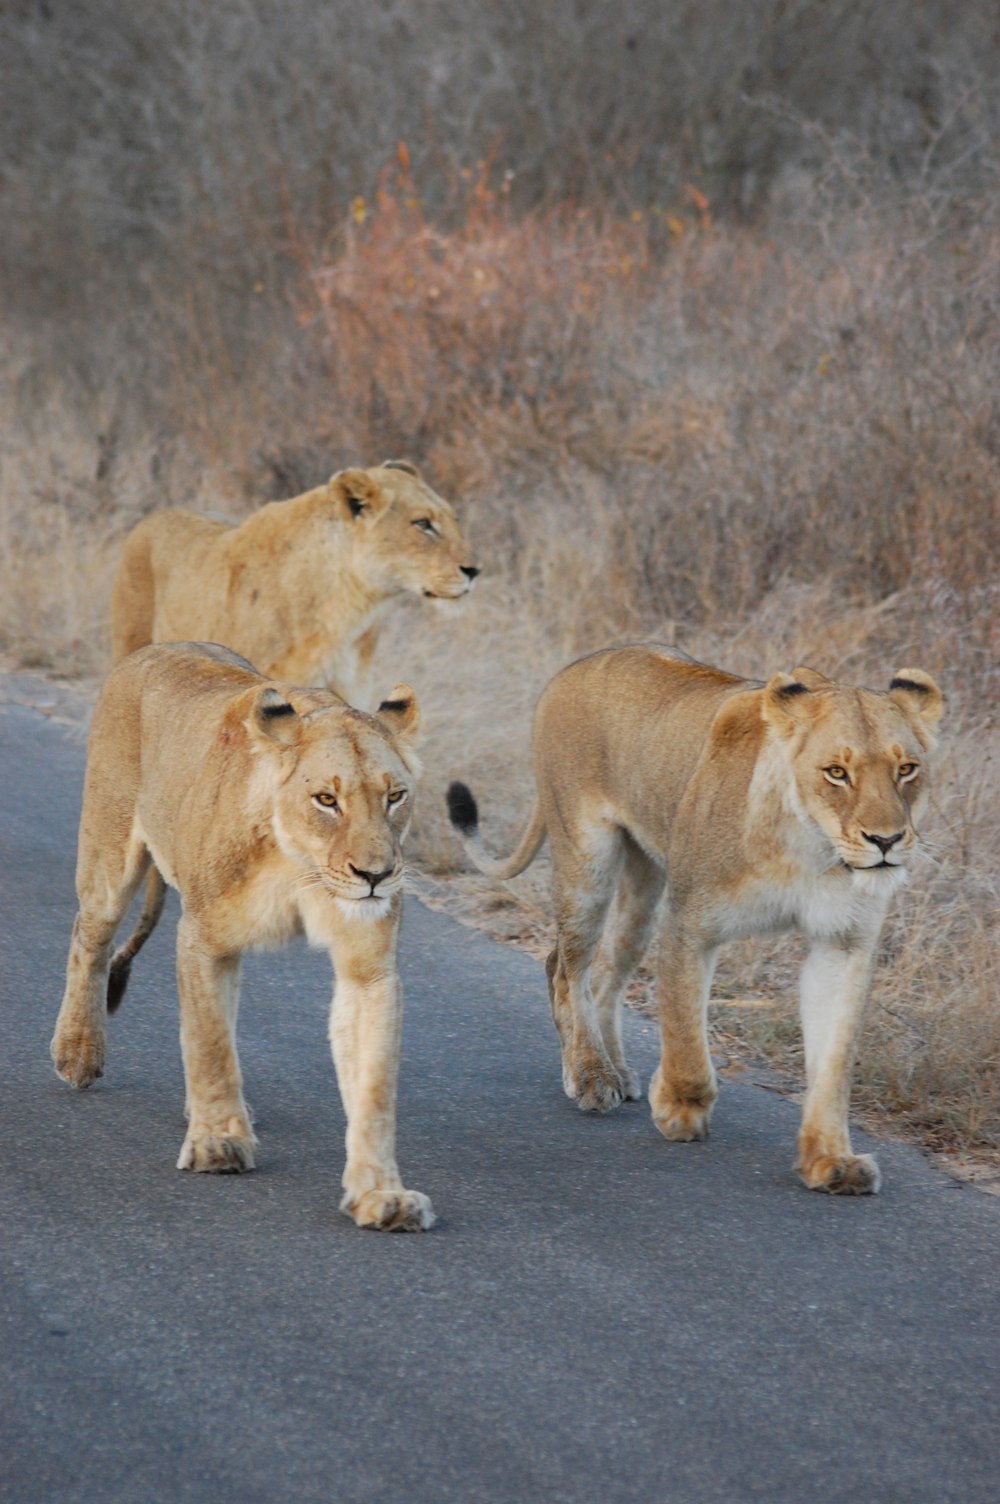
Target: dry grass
x=768, y=446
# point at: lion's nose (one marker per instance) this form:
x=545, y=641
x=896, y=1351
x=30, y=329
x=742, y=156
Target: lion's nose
x=469, y=570
x=884, y=843
x=373, y=878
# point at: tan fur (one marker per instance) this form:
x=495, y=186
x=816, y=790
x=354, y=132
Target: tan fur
x=214, y=773
x=298, y=587
x=662, y=779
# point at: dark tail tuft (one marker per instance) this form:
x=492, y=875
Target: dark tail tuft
x=462, y=809
x=118, y=977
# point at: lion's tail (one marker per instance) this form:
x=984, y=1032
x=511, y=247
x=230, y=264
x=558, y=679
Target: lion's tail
x=121, y=962
x=463, y=812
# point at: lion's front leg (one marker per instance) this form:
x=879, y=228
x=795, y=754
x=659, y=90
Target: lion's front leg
x=833, y=991
x=366, y=1024
x=219, y=1137
x=683, y=1090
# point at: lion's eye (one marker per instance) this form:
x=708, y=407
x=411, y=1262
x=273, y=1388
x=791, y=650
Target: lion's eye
x=837, y=774
x=326, y=800
x=426, y=526
x=908, y=770
x=396, y=797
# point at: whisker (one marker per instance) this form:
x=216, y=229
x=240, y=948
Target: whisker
x=312, y=878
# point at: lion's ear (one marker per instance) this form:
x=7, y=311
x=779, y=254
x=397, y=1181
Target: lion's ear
x=786, y=701
x=400, y=714
x=811, y=678
x=917, y=694
x=355, y=495
x=272, y=718
x=407, y=467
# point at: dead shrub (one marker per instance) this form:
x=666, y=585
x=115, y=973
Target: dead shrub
x=768, y=445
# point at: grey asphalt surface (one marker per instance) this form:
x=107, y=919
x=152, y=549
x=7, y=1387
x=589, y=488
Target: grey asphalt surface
x=598, y=1316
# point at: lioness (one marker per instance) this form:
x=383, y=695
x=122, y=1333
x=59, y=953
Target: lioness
x=273, y=811
x=755, y=808
x=296, y=588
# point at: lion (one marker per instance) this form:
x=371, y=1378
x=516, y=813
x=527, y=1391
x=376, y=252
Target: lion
x=748, y=808
x=297, y=588
x=273, y=811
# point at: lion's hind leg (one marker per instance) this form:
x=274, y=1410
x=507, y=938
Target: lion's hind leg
x=586, y=876
x=626, y=938
x=106, y=887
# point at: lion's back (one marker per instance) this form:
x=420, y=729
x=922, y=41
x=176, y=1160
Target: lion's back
x=621, y=735
x=626, y=702
x=167, y=560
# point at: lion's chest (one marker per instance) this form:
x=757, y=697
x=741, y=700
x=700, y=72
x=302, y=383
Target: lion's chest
x=782, y=897
x=271, y=906
x=257, y=909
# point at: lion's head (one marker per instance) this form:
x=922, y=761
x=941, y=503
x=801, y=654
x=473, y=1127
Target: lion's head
x=342, y=789
x=859, y=759
x=406, y=536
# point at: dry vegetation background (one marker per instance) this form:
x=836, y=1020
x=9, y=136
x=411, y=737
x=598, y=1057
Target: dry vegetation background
x=693, y=307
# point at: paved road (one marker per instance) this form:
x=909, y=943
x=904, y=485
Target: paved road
x=599, y=1316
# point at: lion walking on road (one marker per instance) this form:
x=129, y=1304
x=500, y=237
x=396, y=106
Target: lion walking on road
x=274, y=812
x=743, y=809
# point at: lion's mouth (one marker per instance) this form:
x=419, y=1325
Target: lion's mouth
x=875, y=867
x=366, y=906
x=375, y=898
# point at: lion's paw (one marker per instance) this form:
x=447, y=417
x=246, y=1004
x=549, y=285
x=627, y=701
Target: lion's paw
x=842, y=1174
x=682, y=1118
x=593, y=1086
x=684, y=1123
x=391, y=1211
x=217, y=1153
x=78, y=1059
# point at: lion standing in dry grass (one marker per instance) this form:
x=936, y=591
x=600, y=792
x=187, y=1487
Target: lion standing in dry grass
x=749, y=808
x=273, y=811
x=297, y=588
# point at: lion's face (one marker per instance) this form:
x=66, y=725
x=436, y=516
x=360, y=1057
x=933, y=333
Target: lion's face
x=406, y=536
x=859, y=760
x=343, y=789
